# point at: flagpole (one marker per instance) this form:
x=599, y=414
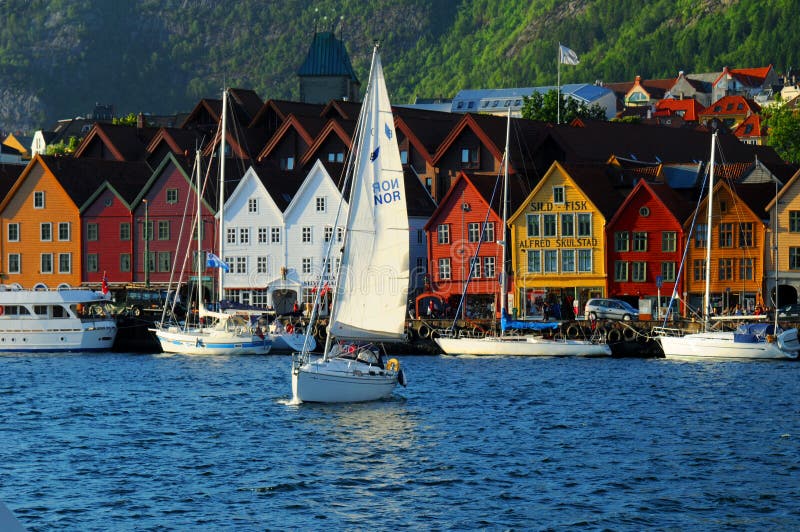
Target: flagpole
x=558, y=87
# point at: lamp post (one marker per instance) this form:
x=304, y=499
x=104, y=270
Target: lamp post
x=146, y=246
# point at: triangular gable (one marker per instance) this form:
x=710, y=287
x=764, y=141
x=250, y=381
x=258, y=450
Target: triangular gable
x=468, y=122
x=97, y=134
x=718, y=186
x=671, y=206
x=99, y=192
x=750, y=127
x=317, y=173
x=341, y=109
x=445, y=205
x=185, y=170
x=291, y=123
x=280, y=111
x=783, y=190
x=205, y=108
x=37, y=160
x=252, y=176
x=401, y=126
x=333, y=127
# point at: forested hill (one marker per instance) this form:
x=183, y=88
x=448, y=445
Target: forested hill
x=59, y=57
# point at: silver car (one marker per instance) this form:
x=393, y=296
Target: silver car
x=610, y=309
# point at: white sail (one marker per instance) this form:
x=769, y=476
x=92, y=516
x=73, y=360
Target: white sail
x=372, y=289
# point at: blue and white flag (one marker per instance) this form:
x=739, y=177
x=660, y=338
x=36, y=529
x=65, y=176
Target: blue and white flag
x=212, y=261
x=567, y=56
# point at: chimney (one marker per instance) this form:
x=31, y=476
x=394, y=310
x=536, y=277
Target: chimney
x=140, y=120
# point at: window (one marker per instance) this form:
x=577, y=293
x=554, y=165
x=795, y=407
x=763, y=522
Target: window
x=46, y=232
x=746, y=269
x=488, y=267
x=620, y=271
x=474, y=232
x=533, y=225
x=669, y=241
x=534, y=261
x=64, y=262
x=551, y=261
x=567, y=225
x=230, y=235
x=306, y=265
x=644, y=211
x=241, y=264
x=261, y=264
x=263, y=235
x=163, y=230
x=549, y=225
x=46, y=262
x=420, y=236
x=63, y=231
x=746, y=235
x=307, y=235
x=244, y=235
x=700, y=235
x=621, y=241
x=726, y=235
x=147, y=231
x=336, y=157
x=125, y=262
x=584, y=260
x=403, y=156
x=639, y=272
x=585, y=224
x=475, y=267
x=14, y=263
x=13, y=232
x=321, y=204
x=725, y=269
x=699, y=270
x=723, y=206
x=567, y=260
x=558, y=195
x=91, y=232
x=328, y=233
x=488, y=232
x=639, y=241
x=150, y=257
x=38, y=199
x=443, y=233
x=668, y=270
x=124, y=231
x=194, y=233
x=91, y=262
x=275, y=235
x=172, y=196
x=229, y=263
x=252, y=205
x=287, y=163
x=164, y=261
x=444, y=269
x=339, y=234
x=794, y=258
x=469, y=158
x=794, y=221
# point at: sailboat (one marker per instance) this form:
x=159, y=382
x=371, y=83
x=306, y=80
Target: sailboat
x=370, y=294
x=518, y=344
x=226, y=334
x=748, y=341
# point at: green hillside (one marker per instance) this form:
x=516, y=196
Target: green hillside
x=59, y=57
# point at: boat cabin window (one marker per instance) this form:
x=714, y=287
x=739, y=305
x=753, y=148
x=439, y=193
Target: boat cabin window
x=60, y=312
x=40, y=310
x=16, y=310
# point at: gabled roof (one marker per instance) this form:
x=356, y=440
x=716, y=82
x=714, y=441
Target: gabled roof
x=126, y=186
x=125, y=143
x=245, y=104
x=688, y=108
x=596, y=182
x=179, y=141
x=749, y=77
x=306, y=127
x=281, y=185
x=672, y=202
x=281, y=109
x=342, y=128
x=346, y=110
x=789, y=184
x=327, y=56
x=731, y=105
x=750, y=127
x=655, y=88
x=9, y=173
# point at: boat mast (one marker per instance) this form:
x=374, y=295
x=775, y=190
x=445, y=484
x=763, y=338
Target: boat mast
x=707, y=295
x=199, y=261
x=504, y=276
x=223, y=128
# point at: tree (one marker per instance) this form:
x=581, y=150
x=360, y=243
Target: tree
x=783, y=127
x=544, y=108
x=130, y=120
x=63, y=148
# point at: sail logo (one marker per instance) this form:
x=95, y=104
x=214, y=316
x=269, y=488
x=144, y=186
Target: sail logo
x=386, y=191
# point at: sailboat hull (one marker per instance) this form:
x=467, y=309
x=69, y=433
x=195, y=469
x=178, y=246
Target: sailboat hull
x=521, y=346
x=713, y=345
x=341, y=381
x=203, y=342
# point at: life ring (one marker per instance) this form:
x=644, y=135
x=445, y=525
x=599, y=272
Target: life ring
x=2, y=310
x=572, y=331
x=289, y=328
x=629, y=333
x=392, y=364
x=614, y=335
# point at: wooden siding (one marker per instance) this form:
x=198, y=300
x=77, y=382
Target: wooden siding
x=59, y=208
x=109, y=213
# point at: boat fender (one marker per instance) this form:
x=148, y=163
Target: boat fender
x=433, y=334
x=401, y=378
x=393, y=364
x=629, y=333
x=424, y=331
x=602, y=331
x=614, y=335
x=289, y=328
x=572, y=331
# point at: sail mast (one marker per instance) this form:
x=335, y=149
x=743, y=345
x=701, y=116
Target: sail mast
x=504, y=272
x=222, y=192
x=707, y=294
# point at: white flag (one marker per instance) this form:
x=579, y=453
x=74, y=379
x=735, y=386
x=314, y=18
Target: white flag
x=567, y=56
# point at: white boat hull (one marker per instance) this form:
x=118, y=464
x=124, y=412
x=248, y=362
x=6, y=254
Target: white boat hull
x=521, y=346
x=210, y=342
x=713, y=345
x=37, y=336
x=290, y=343
x=341, y=381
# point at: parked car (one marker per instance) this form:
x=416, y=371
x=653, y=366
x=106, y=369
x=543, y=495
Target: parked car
x=610, y=309
x=789, y=311
x=139, y=301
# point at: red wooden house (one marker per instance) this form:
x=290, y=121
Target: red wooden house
x=645, y=244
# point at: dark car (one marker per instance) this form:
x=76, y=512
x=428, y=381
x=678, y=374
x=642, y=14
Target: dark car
x=143, y=301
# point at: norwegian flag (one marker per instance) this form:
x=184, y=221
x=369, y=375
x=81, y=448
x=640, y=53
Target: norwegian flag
x=104, y=285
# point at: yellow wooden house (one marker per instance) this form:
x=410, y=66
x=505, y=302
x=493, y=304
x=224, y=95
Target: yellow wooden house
x=786, y=206
x=558, y=240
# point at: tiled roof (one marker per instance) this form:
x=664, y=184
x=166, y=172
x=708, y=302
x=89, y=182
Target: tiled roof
x=81, y=178
x=688, y=108
x=731, y=105
x=750, y=127
x=327, y=56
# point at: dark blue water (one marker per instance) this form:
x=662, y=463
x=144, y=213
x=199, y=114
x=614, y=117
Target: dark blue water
x=139, y=442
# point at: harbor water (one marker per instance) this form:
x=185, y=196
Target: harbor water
x=143, y=442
